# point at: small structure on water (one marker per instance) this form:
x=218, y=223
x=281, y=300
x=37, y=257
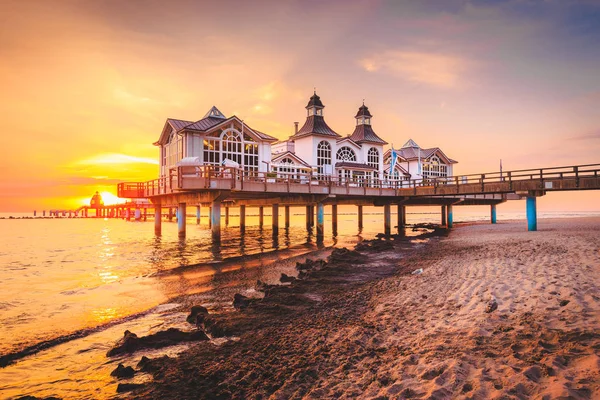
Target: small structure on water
x=96, y=201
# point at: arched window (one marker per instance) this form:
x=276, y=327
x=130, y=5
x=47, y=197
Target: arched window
x=434, y=168
x=373, y=158
x=230, y=144
x=323, y=156
x=174, y=149
x=345, y=154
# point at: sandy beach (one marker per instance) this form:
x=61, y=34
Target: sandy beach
x=497, y=312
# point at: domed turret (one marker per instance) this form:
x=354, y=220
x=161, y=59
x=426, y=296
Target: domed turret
x=96, y=201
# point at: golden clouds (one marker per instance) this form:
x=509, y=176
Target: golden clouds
x=433, y=69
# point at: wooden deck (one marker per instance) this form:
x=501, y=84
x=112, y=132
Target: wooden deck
x=213, y=179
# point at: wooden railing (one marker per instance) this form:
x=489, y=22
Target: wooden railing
x=221, y=178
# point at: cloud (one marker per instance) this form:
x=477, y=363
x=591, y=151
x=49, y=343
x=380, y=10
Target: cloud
x=594, y=135
x=116, y=158
x=433, y=69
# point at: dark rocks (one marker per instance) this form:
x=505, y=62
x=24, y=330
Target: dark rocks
x=240, y=301
x=172, y=336
x=491, y=306
x=286, y=278
x=123, y=372
x=197, y=315
x=152, y=364
x=346, y=256
x=374, y=245
x=128, y=387
x=564, y=302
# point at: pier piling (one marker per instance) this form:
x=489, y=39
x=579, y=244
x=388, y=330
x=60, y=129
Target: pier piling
x=215, y=218
x=197, y=215
x=401, y=217
x=157, y=219
x=275, y=219
x=387, y=219
x=181, y=220
x=287, y=216
x=261, y=216
x=242, y=218
x=360, y=217
x=444, y=219
x=334, y=219
x=450, y=216
x=493, y=213
x=320, y=221
x=226, y=216
x=531, y=213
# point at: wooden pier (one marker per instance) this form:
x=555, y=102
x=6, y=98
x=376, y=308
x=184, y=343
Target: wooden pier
x=215, y=187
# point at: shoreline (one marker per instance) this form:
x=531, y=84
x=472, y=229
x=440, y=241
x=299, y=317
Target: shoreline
x=370, y=328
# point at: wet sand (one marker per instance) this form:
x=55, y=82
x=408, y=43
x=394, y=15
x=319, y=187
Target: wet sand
x=365, y=327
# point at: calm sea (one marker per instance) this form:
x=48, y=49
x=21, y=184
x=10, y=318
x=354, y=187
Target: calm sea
x=96, y=278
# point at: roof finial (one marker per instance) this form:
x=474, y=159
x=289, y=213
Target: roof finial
x=363, y=102
x=315, y=89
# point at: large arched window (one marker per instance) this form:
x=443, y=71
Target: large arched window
x=323, y=156
x=345, y=154
x=434, y=168
x=233, y=146
x=373, y=158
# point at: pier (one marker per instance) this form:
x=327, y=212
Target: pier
x=217, y=189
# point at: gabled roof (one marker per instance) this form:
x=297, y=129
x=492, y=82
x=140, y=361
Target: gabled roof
x=315, y=125
x=410, y=143
x=214, y=113
x=412, y=153
x=349, y=139
x=289, y=154
x=364, y=133
x=204, y=125
x=386, y=168
x=178, y=124
x=354, y=165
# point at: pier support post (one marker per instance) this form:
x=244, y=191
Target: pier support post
x=261, y=216
x=334, y=219
x=170, y=214
x=360, y=217
x=226, y=216
x=444, y=219
x=242, y=218
x=287, y=216
x=320, y=221
x=493, y=213
x=215, y=218
x=401, y=216
x=308, y=217
x=387, y=219
x=275, y=219
x=138, y=214
x=157, y=219
x=197, y=215
x=181, y=220
x=210, y=217
x=450, y=216
x=145, y=214
x=531, y=213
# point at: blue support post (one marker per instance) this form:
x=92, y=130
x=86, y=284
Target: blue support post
x=531, y=213
x=181, y=211
x=493, y=213
x=320, y=221
x=450, y=216
x=215, y=221
x=197, y=215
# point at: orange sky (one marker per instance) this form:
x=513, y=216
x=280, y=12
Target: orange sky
x=86, y=86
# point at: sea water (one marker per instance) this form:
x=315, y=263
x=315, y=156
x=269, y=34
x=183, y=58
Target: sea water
x=72, y=286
